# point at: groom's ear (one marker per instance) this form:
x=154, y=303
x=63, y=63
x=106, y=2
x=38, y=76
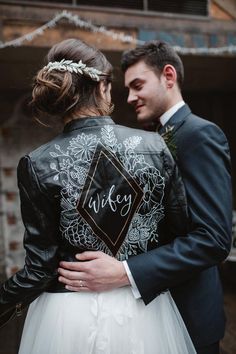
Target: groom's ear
x=170, y=75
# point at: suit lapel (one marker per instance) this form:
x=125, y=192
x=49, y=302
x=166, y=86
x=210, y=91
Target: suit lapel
x=176, y=120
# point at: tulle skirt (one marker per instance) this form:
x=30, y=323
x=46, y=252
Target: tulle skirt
x=112, y=322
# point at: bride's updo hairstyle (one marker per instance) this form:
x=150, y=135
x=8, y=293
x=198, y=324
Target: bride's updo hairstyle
x=69, y=84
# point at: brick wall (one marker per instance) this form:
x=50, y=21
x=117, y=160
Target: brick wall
x=19, y=134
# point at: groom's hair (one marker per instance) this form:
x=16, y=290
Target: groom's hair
x=155, y=54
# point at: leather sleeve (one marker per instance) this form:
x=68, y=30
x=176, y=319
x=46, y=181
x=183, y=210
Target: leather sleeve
x=205, y=166
x=40, y=242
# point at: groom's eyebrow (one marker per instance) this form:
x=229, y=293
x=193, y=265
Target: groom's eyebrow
x=142, y=79
x=133, y=82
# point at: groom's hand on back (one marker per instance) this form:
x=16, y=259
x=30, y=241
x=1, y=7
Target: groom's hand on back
x=94, y=271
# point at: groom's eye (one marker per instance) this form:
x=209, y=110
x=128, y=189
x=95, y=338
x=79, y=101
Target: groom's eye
x=138, y=87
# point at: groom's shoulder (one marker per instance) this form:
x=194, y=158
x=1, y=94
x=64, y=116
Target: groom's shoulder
x=199, y=121
x=197, y=128
x=199, y=124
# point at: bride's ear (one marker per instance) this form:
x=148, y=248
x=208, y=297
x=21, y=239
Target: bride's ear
x=104, y=90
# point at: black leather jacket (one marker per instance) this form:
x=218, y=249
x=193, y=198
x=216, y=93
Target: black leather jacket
x=96, y=186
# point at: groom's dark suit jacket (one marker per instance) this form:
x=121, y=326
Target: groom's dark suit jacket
x=188, y=264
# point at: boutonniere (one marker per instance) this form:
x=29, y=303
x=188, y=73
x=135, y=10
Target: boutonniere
x=168, y=136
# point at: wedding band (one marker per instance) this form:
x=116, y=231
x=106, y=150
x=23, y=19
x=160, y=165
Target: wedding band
x=81, y=283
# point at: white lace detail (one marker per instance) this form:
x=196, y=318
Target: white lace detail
x=72, y=67
x=71, y=168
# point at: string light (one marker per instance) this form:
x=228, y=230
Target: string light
x=78, y=22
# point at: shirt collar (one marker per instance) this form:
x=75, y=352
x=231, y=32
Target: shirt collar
x=87, y=122
x=168, y=114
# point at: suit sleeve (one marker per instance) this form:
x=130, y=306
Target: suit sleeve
x=40, y=243
x=204, y=162
x=176, y=221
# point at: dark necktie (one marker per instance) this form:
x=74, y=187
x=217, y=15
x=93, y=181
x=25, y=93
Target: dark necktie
x=159, y=127
x=152, y=126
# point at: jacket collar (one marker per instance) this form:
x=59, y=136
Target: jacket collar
x=87, y=122
x=177, y=119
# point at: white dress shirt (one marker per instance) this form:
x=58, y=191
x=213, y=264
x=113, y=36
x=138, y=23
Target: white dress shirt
x=168, y=114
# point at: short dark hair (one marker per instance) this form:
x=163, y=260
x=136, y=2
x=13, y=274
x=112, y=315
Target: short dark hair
x=156, y=54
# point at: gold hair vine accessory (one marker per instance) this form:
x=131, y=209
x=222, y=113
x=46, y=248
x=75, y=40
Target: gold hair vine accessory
x=72, y=67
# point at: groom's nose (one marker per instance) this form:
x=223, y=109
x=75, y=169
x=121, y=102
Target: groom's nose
x=132, y=97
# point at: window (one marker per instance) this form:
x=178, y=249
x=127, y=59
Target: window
x=187, y=7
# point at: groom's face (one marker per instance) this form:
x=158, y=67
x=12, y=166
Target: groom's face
x=147, y=92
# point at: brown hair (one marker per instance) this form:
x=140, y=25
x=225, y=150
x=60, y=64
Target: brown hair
x=156, y=54
x=58, y=93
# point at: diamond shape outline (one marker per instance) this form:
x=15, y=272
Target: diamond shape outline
x=101, y=150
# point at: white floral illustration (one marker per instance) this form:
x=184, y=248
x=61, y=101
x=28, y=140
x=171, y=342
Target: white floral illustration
x=71, y=168
x=83, y=146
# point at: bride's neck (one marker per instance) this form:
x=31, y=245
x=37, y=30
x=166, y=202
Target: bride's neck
x=80, y=115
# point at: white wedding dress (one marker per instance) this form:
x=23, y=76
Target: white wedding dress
x=112, y=322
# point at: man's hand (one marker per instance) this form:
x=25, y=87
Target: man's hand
x=98, y=272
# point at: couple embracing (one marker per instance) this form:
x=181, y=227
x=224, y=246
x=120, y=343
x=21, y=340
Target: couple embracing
x=135, y=229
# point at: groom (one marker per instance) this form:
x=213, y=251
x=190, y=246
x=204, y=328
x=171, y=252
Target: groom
x=186, y=265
